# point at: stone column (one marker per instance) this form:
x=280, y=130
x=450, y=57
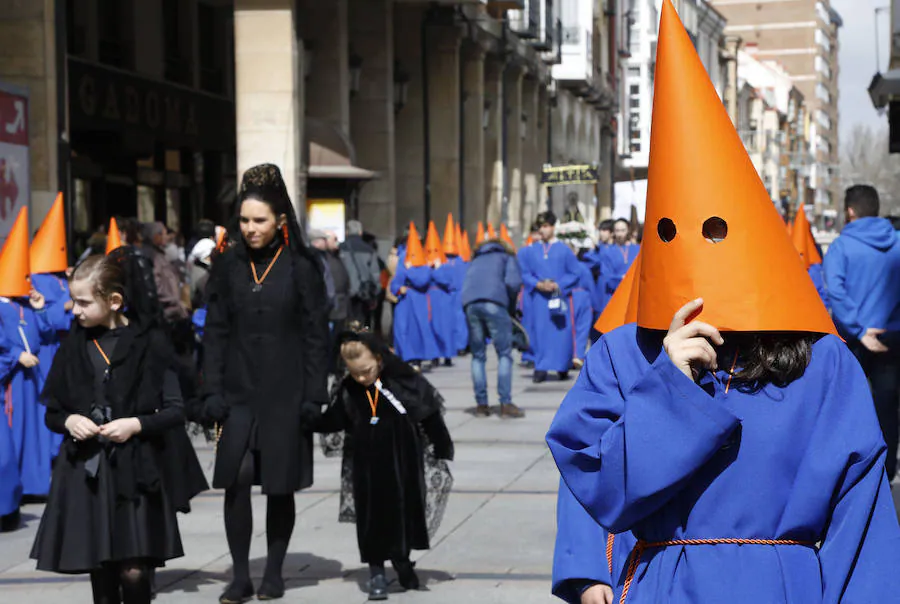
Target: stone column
x=323, y=26
x=269, y=91
x=493, y=162
x=476, y=207
x=28, y=51
x=535, y=141
x=371, y=27
x=514, y=112
x=408, y=125
x=443, y=120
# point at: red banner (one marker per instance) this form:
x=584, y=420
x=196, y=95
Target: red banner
x=13, y=118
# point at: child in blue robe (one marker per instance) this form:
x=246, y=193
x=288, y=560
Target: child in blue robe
x=582, y=317
x=413, y=336
x=800, y=463
x=25, y=324
x=615, y=260
x=550, y=272
x=442, y=311
x=10, y=477
x=525, y=306
x=460, y=327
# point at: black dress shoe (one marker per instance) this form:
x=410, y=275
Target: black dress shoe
x=539, y=377
x=406, y=575
x=378, y=588
x=271, y=589
x=563, y=376
x=237, y=593
x=10, y=522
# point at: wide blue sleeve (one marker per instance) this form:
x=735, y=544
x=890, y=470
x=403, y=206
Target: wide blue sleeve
x=443, y=277
x=9, y=356
x=579, y=556
x=399, y=279
x=44, y=319
x=861, y=545
x=624, y=451
x=529, y=278
x=59, y=318
x=572, y=272
x=844, y=309
x=512, y=276
x=420, y=277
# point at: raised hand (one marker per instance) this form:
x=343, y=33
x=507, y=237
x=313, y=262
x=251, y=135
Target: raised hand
x=688, y=344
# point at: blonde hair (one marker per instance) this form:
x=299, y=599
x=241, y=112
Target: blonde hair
x=354, y=349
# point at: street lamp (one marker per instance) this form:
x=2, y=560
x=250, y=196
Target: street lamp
x=486, y=115
x=401, y=87
x=356, y=62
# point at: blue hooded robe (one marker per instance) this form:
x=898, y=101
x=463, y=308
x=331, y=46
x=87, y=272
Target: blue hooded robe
x=646, y=449
x=582, y=317
x=524, y=305
x=33, y=441
x=442, y=295
x=413, y=335
x=10, y=476
x=553, y=343
x=460, y=326
x=615, y=260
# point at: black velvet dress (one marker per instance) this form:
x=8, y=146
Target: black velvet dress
x=108, y=502
x=388, y=459
x=265, y=357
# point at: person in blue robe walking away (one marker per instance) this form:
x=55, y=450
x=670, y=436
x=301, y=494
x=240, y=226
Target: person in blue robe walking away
x=453, y=250
x=582, y=316
x=523, y=304
x=25, y=323
x=10, y=477
x=735, y=439
x=413, y=337
x=615, y=260
x=550, y=272
x=49, y=262
x=862, y=270
x=441, y=298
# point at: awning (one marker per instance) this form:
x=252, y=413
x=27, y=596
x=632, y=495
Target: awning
x=331, y=153
x=884, y=86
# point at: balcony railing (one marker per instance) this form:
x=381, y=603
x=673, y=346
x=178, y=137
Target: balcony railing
x=577, y=58
x=527, y=21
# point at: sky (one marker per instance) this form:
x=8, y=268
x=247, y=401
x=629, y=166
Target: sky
x=858, y=60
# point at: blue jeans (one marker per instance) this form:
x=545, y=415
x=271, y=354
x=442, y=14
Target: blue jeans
x=490, y=320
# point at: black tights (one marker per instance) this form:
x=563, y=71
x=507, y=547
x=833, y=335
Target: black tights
x=125, y=583
x=280, y=516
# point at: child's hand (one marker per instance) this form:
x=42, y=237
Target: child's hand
x=81, y=427
x=28, y=360
x=120, y=430
x=690, y=345
x=37, y=299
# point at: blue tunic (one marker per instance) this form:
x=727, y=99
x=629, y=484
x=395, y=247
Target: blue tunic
x=413, y=336
x=579, y=557
x=442, y=311
x=10, y=477
x=582, y=317
x=525, y=306
x=818, y=278
x=33, y=441
x=645, y=449
x=460, y=326
x=552, y=341
x=615, y=260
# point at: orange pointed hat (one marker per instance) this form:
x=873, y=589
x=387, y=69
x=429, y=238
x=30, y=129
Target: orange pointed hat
x=451, y=243
x=434, y=251
x=622, y=306
x=113, y=238
x=479, y=235
x=415, y=255
x=504, y=235
x=48, y=250
x=491, y=233
x=14, y=260
x=706, y=208
x=466, y=248
x=459, y=240
x=801, y=236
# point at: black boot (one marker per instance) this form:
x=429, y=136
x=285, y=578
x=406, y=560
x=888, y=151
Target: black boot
x=378, y=588
x=10, y=522
x=406, y=574
x=237, y=593
x=271, y=589
x=539, y=377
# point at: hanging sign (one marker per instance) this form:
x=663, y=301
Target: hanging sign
x=15, y=180
x=554, y=176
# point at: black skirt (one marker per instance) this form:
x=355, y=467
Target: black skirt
x=85, y=525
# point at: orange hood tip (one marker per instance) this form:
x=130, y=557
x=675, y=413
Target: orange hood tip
x=479, y=234
x=466, y=248
x=451, y=237
x=113, y=236
x=705, y=209
x=15, y=265
x=415, y=253
x=49, y=253
x=434, y=251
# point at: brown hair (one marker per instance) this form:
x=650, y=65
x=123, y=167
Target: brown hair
x=353, y=349
x=106, y=277
x=771, y=358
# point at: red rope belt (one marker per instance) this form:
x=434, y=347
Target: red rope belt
x=641, y=546
x=8, y=404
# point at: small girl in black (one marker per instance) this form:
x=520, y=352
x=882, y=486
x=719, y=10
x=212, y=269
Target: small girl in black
x=389, y=414
x=111, y=392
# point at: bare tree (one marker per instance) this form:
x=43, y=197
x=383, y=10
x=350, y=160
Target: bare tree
x=865, y=161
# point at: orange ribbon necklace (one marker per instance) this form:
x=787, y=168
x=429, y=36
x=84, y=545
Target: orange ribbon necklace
x=373, y=405
x=105, y=358
x=258, y=281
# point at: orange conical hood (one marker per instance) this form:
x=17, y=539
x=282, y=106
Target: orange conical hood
x=466, y=249
x=491, y=233
x=451, y=243
x=113, y=238
x=504, y=235
x=622, y=307
x=529, y=240
x=701, y=181
x=415, y=255
x=459, y=241
x=48, y=250
x=434, y=251
x=14, y=260
x=479, y=235
x=801, y=236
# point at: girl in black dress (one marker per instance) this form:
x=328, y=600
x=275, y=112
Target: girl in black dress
x=111, y=392
x=390, y=414
x=264, y=371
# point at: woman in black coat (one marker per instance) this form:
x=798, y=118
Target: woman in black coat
x=265, y=372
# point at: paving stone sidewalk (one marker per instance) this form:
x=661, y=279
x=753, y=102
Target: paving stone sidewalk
x=495, y=545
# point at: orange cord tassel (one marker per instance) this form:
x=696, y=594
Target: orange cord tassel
x=8, y=404
x=610, y=540
x=284, y=232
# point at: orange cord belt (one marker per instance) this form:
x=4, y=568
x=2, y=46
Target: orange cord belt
x=640, y=546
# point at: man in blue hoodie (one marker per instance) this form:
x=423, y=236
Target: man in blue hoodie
x=492, y=284
x=862, y=273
